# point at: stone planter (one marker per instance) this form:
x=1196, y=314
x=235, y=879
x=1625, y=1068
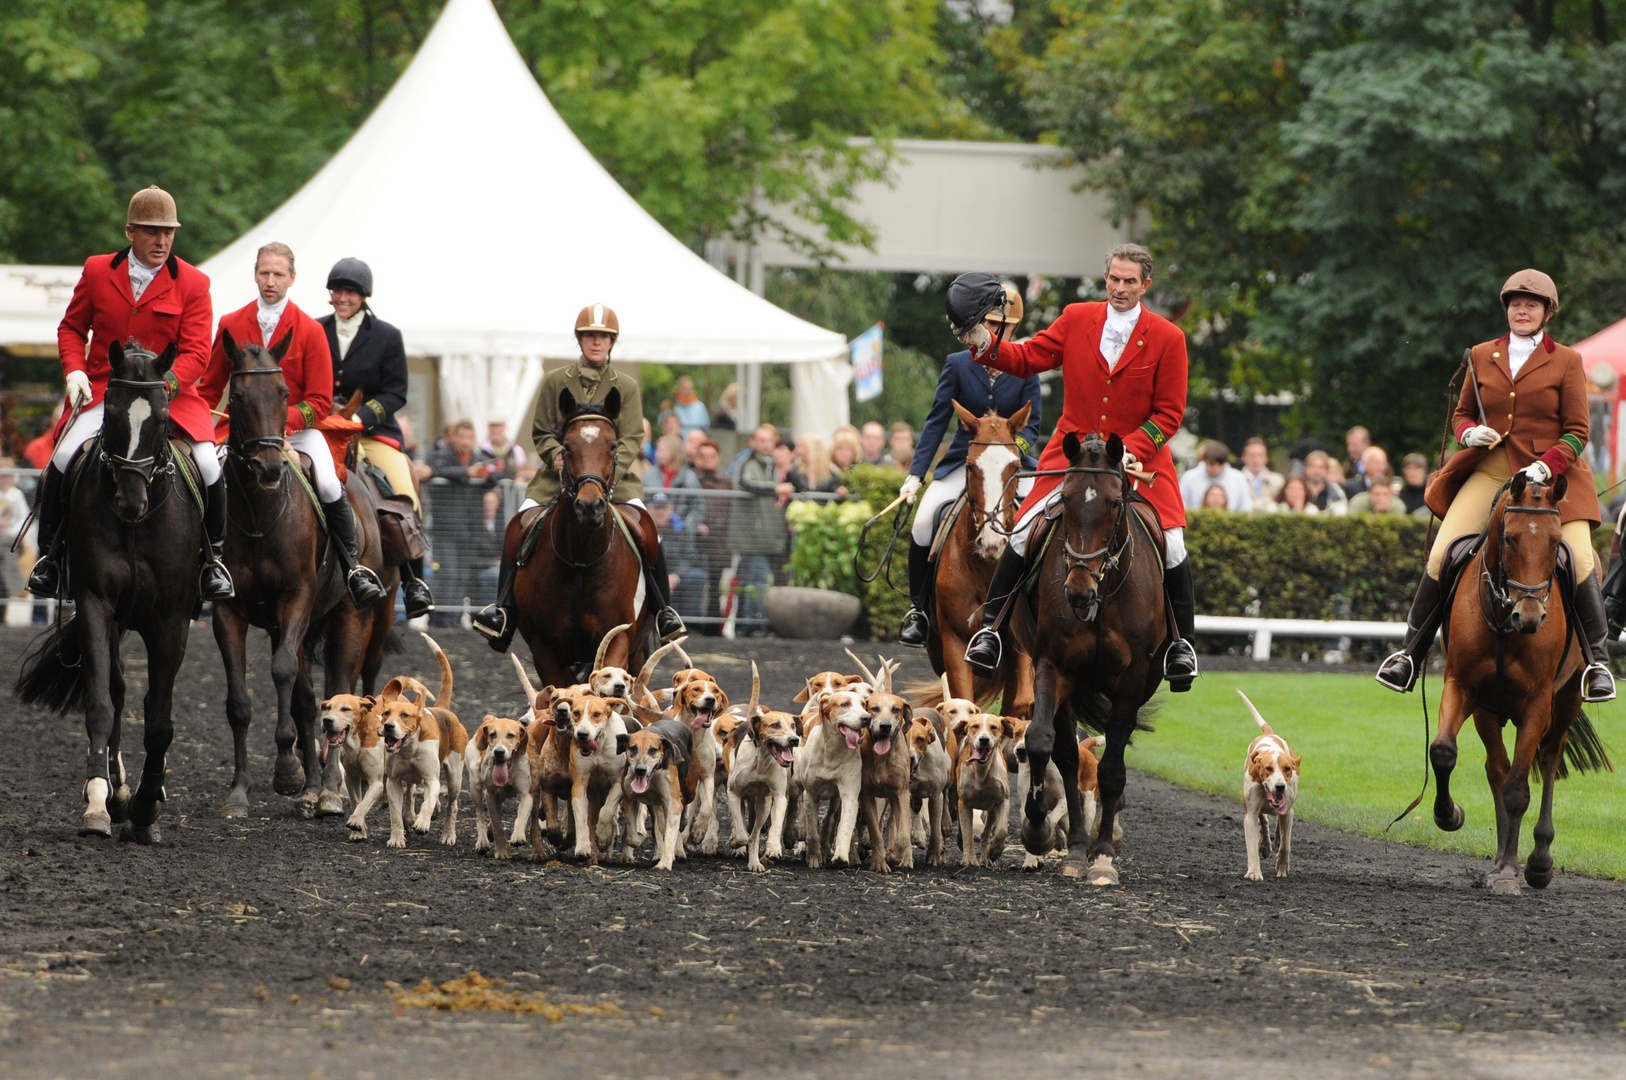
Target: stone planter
x=809, y=614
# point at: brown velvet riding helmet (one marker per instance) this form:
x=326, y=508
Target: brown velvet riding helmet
x=152, y=206
x=1532, y=283
x=597, y=317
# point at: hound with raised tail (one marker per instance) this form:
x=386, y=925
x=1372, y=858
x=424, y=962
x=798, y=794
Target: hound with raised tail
x=984, y=784
x=1270, y=782
x=698, y=701
x=420, y=741
x=499, y=769
x=929, y=767
x=886, y=770
x=830, y=768
x=350, y=725
x=759, y=781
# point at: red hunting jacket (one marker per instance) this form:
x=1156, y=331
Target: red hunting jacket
x=1142, y=399
x=175, y=308
x=307, y=367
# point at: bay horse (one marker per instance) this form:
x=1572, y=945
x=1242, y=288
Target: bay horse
x=1511, y=657
x=1097, y=628
x=583, y=575
x=290, y=583
x=965, y=565
x=134, y=553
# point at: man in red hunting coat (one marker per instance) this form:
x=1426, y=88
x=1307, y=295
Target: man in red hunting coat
x=1124, y=370
x=144, y=294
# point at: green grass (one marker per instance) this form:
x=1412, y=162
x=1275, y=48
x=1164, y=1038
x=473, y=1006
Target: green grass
x=1362, y=748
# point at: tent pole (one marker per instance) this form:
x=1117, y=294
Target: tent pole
x=753, y=275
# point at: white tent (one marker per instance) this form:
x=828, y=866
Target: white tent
x=488, y=226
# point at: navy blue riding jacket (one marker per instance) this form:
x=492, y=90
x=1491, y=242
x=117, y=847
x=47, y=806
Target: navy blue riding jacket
x=967, y=383
x=377, y=366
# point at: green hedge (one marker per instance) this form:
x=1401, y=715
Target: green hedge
x=884, y=605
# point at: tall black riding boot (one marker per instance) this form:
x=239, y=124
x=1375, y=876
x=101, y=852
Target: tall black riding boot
x=415, y=592
x=364, y=586
x=668, y=623
x=984, y=651
x=1400, y=671
x=1597, y=682
x=214, y=581
x=495, y=622
x=1180, y=662
x=1614, y=593
x=916, y=627
x=50, y=507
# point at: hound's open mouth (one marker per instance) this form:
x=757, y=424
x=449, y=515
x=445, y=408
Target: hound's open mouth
x=1277, y=801
x=853, y=737
x=334, y=738
x=783, y=755
x=499, y=774
x=979, y=753
x=588, y=747
x=702, y=718
x=393, y=745
x=640, y=782
x=883, y=746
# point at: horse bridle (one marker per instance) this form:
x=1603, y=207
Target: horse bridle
x=146, y=467
x=246, y=447
x=1111, y=558
x=572, y=482
x=1007, y=506
x=1502, y=595
x=243, y=450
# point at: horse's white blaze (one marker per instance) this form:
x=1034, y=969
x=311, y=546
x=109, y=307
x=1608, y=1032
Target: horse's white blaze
x=140, y=413
x=590, y=432
x=1089, y=494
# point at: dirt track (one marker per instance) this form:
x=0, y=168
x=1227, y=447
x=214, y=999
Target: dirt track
x=1372, y=960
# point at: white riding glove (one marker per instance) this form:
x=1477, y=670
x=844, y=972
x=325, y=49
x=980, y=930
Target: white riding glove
x=1537, y=472
x=1131, y=462
x=1481, y=436
x=977, y=339
x=911, y=485
x=78, y=389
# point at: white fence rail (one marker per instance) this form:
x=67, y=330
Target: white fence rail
x=1264, y=631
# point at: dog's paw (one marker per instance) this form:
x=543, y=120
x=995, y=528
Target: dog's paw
x=448, y=839
x=1254, y=875
x=396, y=842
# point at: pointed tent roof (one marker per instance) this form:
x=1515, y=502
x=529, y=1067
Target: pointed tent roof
x=488, y=226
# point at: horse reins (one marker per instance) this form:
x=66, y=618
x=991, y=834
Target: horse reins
x=570, y=483
x=240, y=451
x=1502, y=594
x=1111, y=559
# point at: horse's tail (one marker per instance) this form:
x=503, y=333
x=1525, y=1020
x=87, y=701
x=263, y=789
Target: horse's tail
x=52, y=674
x=1092, y=709
x=1583, y=749
x=929, y=695
x=443, y=697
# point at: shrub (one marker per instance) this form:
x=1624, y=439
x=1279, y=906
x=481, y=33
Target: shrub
x=884, y=601
x=824, y=549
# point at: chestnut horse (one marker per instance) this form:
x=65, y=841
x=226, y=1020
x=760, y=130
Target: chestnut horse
x=290, y=583
x=1510, y=657
x=1097, y=631
x=583, y=576
x=133, y=557
x=965, y=565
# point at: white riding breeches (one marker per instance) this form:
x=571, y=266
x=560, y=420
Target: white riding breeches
x=313, y=444
x=1174, y=540
x=89, y=425
x=945, y=490
x=528, y=503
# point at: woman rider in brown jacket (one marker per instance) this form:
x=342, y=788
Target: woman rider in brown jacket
x=1523, y=408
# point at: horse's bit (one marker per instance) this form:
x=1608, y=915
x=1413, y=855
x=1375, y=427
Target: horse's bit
x=146, y=467
x=1111, y=559
x=981, y=517
x=1502, y=595
x=572, y=482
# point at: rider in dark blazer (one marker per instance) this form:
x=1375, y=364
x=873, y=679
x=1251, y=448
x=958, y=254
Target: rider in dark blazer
x=368, y=355
x=978, y=389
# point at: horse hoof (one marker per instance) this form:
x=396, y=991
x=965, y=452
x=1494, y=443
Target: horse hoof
x=1102, y=872
x=1037, y=838
x=1504, y=885
x=1452, y=823
x=139, y=834
x=234, y=809
x=288, y=783
x=96, y=825
x=1538, y=872
x=1072, y=867
x=330, y=805
x=306, y=805
x=119, y=808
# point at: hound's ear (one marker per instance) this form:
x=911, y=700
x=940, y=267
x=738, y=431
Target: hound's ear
x=392, y=689
x=967, y=417
x=567, y=402
x=959, y=726
x=233, y=352
x=524, y=738
x=908, y=713
x=1518, y=485
x=802, y=697
x=1561, y=484
x=755, y=727
x=1007, y=727
x=931, y=734
x=612, y=403
x=722, y=699
x=1115, y=450
x=544, y=700
x=1020, y=419
x=1070, y=447
x=621, y=744
x=280, y=349
x=368, y=703
x=482, y=735
x=166, y=360
x=1295, y=761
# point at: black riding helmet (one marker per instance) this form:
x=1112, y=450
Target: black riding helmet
x=353, y=274
x=970, y=298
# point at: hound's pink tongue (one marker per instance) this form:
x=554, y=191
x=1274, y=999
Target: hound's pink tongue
x=701, y=719
x=640, y=784
x=499, y=774
x=853, y=737
x=883, y=746
x=978, y=753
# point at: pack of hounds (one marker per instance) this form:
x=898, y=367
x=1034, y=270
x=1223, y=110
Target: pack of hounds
x=594, y=768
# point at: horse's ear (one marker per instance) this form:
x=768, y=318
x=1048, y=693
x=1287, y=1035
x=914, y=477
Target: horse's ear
x=166, y=360
x=1020, y=419
x=115, y=354
x=1070, y=446
x=1561, y=484
x=612, y=404
x=567, y=402
x=966, y=416
x=1115, y=450
x=233, y=352
x=1517, y=488
x=280, y=349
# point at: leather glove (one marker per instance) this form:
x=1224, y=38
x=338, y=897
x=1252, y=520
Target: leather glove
x=78, y=389
x=911, y=485
x=977, y=339
x=1481, y=436
x=1537, y=472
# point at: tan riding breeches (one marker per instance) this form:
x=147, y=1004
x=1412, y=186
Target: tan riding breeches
x=1471, y=509
x=393, y=464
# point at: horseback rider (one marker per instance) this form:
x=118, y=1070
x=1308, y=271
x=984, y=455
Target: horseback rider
x=1523, y=408
x=148, y=295
x=307, y=370
x=368, y=356
x=589, y=379
x=978, y=389
x=1134, y=361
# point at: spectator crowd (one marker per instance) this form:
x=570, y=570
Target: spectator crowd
x=1315, y=482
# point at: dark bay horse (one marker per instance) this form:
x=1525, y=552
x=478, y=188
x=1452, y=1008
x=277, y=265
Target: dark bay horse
x=966, y=564
x=583, y=576
x=291, y=584
x=134, y=552
x=1097, y=632
x=1510, y=657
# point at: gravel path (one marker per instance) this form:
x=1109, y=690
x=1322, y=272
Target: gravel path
x=270, y=946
